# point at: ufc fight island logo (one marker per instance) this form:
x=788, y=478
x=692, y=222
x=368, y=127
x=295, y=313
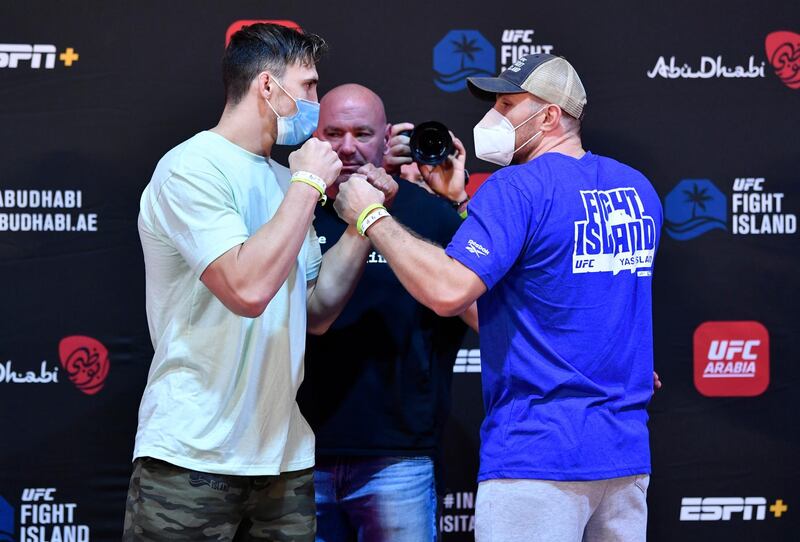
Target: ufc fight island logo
x=616, y=235
x=731, y=359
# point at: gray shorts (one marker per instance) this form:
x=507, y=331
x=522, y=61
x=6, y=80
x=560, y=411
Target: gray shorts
x=613, y=510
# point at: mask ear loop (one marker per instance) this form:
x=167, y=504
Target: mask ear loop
x=289, y=95
x=537, y=134
x=273, y=109
x=529, y=118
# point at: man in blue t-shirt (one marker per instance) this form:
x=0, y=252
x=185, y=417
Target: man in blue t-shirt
x=558, y=250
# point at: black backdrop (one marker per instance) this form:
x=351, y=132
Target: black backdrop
x=79, y=139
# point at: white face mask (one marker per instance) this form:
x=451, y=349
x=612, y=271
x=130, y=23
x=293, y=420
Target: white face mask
x=494, y=137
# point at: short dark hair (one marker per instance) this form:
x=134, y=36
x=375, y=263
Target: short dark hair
x=264, y=46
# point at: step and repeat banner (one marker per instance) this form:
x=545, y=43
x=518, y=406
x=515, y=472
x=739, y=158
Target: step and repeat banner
x=703, y=97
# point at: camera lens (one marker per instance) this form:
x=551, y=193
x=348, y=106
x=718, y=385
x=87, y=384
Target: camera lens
x=431, y=143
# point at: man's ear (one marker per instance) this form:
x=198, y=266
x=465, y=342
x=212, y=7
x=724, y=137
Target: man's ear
x=552, y=118
x=264, y=85
x=386, y=137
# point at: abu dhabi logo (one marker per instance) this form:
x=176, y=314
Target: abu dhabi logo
x=709, y=68
x=85, y=360
x=783, y=52
x=461, y=54
x=782, y=49
x=694, y=207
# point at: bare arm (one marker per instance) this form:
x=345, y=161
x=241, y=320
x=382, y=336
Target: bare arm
x=342, y=267
x=344, y=262
x=246, y=277
x=432, y=277
x=447, y=179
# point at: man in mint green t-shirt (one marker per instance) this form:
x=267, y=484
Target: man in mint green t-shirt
x=234, y=279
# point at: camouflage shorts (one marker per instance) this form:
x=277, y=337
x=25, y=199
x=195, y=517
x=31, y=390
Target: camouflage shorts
x=166, y=502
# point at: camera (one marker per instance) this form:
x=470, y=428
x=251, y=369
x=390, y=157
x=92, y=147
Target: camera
x=430, y=143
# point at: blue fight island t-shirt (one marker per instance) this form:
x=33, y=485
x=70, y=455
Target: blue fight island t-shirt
x=565, y=247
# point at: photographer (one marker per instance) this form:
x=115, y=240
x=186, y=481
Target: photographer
x=444, y=178
x=377, y=384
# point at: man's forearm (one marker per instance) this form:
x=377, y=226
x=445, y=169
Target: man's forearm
x=247, y=277
x=429, y=275
x=342, y=266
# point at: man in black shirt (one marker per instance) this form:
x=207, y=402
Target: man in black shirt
x=377, y=384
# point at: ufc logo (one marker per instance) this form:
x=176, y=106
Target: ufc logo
x=722, y=508
x=12, y=53
x=726, y=350
x=517, y=36
x=745, y=184
x=33, y=494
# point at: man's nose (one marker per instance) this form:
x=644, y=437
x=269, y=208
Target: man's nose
x=348, y=145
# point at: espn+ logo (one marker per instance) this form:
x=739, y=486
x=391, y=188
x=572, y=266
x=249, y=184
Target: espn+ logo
x=731, y=359
x=20, y=55
x=729, y=508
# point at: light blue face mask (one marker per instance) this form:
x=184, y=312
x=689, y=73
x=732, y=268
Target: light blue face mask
x=299, y=127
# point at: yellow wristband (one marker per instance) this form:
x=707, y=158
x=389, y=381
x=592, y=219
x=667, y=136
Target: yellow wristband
x=372, y=218
x=312, y=180
x=363, y=215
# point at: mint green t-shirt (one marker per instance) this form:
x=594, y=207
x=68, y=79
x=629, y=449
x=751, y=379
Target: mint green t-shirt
x=220, y=394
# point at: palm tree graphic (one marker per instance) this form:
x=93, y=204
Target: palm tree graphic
x=465, y=47
x=697, y=197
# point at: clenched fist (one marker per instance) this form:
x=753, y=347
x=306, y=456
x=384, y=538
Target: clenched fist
x=354, y=196
x=381, y=180
x=316, y=157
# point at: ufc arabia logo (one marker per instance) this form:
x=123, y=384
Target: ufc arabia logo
x=731, y=359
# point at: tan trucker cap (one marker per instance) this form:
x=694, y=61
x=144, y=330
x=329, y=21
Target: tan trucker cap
x=548, y=77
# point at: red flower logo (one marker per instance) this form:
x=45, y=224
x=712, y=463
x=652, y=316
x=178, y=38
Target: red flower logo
x=86, y=362
x=783, y=51
x=236, y=26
